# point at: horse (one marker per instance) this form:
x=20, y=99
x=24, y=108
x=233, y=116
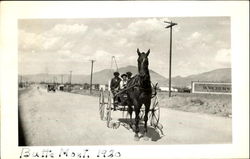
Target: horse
x=140, y=93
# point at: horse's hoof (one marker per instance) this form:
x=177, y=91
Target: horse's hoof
x=145, y=138
x=136, y=138
x=160, y=126
x=133, y=127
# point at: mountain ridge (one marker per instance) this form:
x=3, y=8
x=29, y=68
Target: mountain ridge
x=103, y=76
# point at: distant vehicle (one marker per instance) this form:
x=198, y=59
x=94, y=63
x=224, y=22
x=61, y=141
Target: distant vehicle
x=184, y=90
x=61, y=87
x=51, y=87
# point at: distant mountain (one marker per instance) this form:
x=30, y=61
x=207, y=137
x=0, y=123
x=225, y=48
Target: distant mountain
x=103, y=76
x=218, y=75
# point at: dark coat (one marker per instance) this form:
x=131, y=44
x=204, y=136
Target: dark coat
x=115, y=82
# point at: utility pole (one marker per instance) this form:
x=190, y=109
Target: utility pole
x=21, y=81
x=47, y=75
x=113, y=60
x=70, y=77
x=171, y=24
x=61, y=79
x=91, y=75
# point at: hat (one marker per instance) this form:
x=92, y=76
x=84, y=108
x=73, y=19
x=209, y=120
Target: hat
x=116, y=73
x=124, y=75
x=129, y=73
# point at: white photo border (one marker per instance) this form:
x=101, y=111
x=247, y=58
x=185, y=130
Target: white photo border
x=238, y=11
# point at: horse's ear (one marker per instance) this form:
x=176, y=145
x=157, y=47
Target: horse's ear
x=148, y=52
x=138, y=52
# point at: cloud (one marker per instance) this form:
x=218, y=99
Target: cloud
x=198, y=41
x=195, y=35
x=50, y=43
x=145, y=33
x=66, y=29
x=73, y=44
x=59, y=37
x=99, y=54
x=30, y=41
x=146, y=25
x=223, y=56
x=64, y=52
x=121, y=42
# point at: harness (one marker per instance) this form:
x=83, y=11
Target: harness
x=137, y=84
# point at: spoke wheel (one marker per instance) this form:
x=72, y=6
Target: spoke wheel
x=102, y=105
x=154, y=113
x=109, y=109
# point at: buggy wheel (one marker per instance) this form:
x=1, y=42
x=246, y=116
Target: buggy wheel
x=108, y=113
x=154, y=113
x=101, y=105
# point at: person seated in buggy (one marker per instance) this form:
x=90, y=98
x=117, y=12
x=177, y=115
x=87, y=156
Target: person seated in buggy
x=129, y=74
x=123, y=82
x=122, y=97
x=115, y=86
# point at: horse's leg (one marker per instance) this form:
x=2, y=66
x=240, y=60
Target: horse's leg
x=147, y=107
x=130, y=111
x=137, y=120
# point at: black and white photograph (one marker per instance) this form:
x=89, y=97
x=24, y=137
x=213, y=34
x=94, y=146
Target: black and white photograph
x=124, y=81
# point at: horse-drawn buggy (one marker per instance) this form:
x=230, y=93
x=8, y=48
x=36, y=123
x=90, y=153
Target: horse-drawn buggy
x=139, y=96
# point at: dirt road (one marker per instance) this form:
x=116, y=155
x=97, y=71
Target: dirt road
x=63, y=118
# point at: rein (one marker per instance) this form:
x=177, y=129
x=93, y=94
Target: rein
x=125, y=89
x=137, y=84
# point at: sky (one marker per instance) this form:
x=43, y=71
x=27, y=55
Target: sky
x=57, y=46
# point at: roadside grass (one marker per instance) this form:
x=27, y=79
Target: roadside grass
x=217, y=104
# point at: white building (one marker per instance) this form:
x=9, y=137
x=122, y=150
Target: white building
x=166, y=89
x=102, y=87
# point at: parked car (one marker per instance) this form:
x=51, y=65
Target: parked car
x=51, y=87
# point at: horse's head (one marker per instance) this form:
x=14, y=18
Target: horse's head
x=143, y=62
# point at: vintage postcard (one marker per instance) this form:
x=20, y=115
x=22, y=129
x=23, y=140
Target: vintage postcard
x=92, y=85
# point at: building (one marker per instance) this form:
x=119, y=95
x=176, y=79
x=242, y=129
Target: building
x=103, y=87
x=211, y=87
x=166, y=89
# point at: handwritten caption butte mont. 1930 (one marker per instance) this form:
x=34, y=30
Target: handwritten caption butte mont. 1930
x=68, y=153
